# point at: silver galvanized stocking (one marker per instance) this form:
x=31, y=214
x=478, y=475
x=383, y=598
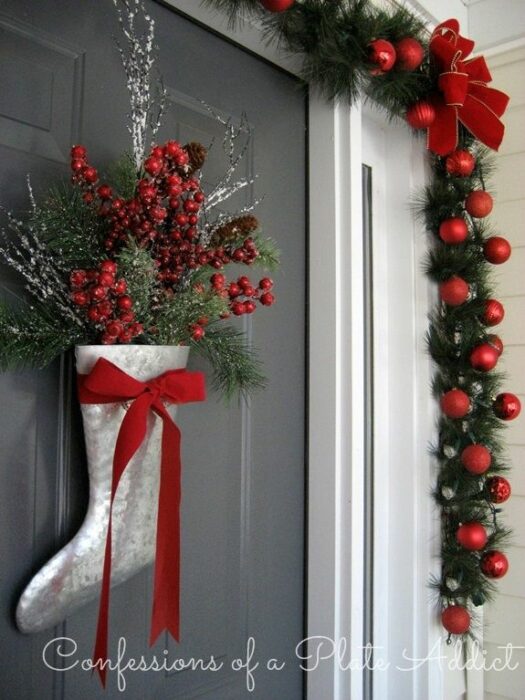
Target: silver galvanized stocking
x=73, y=576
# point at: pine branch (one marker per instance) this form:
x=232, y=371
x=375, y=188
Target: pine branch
x=70, y=228
x=31, y=337
x=122, y=176
x=234, y=363
x=178, y=313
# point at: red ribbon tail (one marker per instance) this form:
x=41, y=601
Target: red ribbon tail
x=166, y=593
x=443, y=133
x=100, y=653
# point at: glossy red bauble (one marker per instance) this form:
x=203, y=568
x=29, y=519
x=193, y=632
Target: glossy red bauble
x=460, y=163
x=484, y=357
x=494, y=564
x=455, y=403
x=498, y=489
x=496, y=343
x=277, y=5
x=382, y=54
x=410, y=54
x=472, y=536
x=453, y=231
x=494, y=312
x=507, y=406
x=454, y=291
x=421, y=115
x=479, y=204
x=267, y=299
x=456, y=619
x=497, y=250
x=476, y=459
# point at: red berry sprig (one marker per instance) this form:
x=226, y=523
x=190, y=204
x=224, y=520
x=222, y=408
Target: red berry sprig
x=106, y=303
x=163, y=215
x=243, y=294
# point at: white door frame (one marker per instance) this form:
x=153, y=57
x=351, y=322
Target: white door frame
x=336, y=377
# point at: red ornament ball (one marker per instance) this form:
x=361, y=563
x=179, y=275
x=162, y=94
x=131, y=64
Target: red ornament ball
x=484, y=357
x=410, y=54
x=454, y=291
x=472, y=536
x=476, y=459
x=497, y=250
x=382, y=54
x=507, y=406
x=494, y=312
x=453, y=231
x=494, y=564
x=421, y=115
x=277, y=5
x=479, y=204
x=460, y=163
x=78, y=152
x=496, y=343
x=498, y=489
x=455, y=403
x=456, y=619
x=267, y=299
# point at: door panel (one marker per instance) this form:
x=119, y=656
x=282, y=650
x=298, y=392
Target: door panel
x=242, y=514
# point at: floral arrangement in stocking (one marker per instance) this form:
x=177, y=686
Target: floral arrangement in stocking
x=136, y=259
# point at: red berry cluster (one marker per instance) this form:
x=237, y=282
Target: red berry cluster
x=162, y=215
x=242, y=293
x=106, y=303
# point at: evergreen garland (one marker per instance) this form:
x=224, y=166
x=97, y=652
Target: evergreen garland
x=334, y=40
x=74, y=229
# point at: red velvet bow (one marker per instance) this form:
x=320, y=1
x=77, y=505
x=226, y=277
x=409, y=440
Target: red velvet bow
x=108, y=384
x=464, y=95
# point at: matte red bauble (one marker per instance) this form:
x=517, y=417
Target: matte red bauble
x=479, y=204
x=277, y=5
x=453, y=231
x=382, y=54
x=494, y=312
x=494, y=564
x=460, y=163
x=455, y=403
x=472, y=536
x=484, y=357
x=507, y=406
x=421, y=115
x=456, y=619
x=498, y=489
x=497, y=250
x=476, y=459
x=454, y=291
x=496, y=343
x=410, y=54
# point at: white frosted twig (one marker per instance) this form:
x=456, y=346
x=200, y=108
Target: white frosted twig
x=138, y=61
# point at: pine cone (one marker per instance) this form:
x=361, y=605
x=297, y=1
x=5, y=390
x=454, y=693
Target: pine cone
x=236, y=229
x=197, y=154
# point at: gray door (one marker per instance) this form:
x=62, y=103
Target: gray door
x=243, y=487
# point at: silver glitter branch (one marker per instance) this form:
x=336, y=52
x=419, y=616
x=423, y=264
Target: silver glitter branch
x=138, y=60
x=225, y=188
x=23, y=251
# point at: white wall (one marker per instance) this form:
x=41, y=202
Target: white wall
x=505, y=618
x=494, y=22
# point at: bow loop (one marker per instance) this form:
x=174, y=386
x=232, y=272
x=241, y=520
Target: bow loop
x=106, y=384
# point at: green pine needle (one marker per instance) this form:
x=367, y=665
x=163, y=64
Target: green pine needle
x=234, y=363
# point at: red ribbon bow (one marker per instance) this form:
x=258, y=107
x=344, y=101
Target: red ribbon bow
x=464, y=95
x=108, y=384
